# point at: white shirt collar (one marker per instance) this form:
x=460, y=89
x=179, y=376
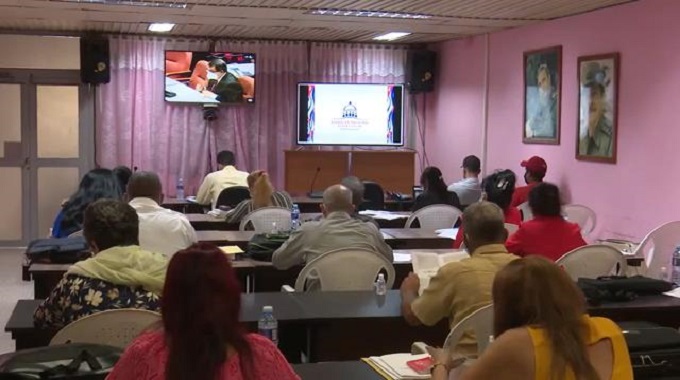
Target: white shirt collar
x=144, y=202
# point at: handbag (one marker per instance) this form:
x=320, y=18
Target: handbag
x=654, y=351
x=261, y=246
x=620, y=288
x=81, y=361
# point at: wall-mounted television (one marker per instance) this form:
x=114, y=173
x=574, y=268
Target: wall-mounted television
x=209, y=77
x=350, y=114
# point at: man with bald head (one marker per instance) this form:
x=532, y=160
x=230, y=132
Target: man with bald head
x=160, y=230
x=459, y=288
x=336, y=230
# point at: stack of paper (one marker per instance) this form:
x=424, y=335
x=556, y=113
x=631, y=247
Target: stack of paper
x=383, y=215
x=447, y=233
x=394, y=366
x=426, y=264
x=231, y=250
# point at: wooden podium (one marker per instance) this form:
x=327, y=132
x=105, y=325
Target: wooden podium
x=393, y=169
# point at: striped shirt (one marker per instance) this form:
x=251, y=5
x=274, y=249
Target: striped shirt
x=279, y=199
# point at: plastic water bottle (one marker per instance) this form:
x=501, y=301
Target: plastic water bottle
x=268, y=326
x=675, y=274
x=180, y=188
x=295, y=217
x=380, y=285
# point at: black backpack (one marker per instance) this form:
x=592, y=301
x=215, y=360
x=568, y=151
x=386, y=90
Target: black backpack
x=81, y=361
x=262, y=246
x=59, y=251
x=654, y=351
x=618, y=289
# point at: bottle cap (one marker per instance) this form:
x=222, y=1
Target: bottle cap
x=381, y=276
x=268, y=309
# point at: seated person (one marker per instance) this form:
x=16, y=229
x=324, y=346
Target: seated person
x=459, y=288
x=120, y=275
x=498, y=189
x=161, y=230
x=534, y=174
x=201, y=336
x=96, y=184
x=262, y=194
x=547, y=234
x=336, y=230
x=468, y=189
x=542, y=331
x=357, y=187
x=123, y=174
x=434, y=190
x=226, y=176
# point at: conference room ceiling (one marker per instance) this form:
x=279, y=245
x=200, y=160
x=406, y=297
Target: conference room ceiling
x=428, y=20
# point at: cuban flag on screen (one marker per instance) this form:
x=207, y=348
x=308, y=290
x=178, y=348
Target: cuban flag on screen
x=390, y=114
x=311, y=93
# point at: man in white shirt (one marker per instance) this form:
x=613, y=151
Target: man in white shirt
x=160, y=230
x=336, y=230
x=468, y=189
x=225, y=176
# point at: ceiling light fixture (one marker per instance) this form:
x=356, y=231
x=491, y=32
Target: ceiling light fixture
x=135, y=3
x=161, y=27
x=391, y=36
x=379, y=14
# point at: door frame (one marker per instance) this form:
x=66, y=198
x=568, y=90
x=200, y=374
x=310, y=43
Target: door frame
x=29, y=80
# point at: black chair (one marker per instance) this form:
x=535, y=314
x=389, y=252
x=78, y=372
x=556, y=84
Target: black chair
x=374, y=196
x=231, y=196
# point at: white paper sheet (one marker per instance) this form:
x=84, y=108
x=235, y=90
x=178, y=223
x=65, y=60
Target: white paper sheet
x=447, y=233
x=674, y=293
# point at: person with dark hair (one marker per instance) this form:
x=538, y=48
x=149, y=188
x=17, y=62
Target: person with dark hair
x=223, y=85
x=96, y=184
x=226, y=176
x=123, y=174
x=160, y=229
x=468, y=189
x=498, y=189
x=542, y=331
x=534, y=174
x=459, y=288
x=202, y=337
x=434, y=190
x=547, y=234
x=120, y=275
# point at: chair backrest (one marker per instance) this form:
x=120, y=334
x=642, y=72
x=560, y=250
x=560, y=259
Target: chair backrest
x=111, y=327
x=346, y=269
x=231, y=196
x=480, y=321
x=374, y=196
x=526, y=211
x=657, y=248
x=583, y=216
x=435, y=217
x=263, y=219
x=593, y=261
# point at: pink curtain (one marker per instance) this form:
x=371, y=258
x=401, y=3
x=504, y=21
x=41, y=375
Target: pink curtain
x=136, y=127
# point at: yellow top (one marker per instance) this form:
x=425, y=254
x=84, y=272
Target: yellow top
x=600, y=328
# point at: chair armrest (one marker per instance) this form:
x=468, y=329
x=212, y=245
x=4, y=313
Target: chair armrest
x=287, y=289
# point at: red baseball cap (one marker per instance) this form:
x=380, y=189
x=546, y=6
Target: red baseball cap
x=535, y=165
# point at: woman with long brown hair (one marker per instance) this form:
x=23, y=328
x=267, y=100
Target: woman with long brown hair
x=542, y=331
x=262, y=194
x=202, y=337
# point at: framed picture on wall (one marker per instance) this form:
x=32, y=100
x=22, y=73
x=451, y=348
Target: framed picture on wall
x=598, y=79
x=542, y=94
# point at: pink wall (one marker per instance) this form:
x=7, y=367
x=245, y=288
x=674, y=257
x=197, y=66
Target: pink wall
x=454, y=113
x=631, y=197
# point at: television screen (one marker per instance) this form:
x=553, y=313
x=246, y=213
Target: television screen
x=204, y=77
x=350, y=114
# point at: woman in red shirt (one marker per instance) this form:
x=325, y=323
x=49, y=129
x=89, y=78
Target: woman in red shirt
x=202, y=337
x=547, y=234
x=497, y=188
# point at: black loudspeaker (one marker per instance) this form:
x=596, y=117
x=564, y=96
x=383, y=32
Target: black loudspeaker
x=420, y=71
x=94, y=60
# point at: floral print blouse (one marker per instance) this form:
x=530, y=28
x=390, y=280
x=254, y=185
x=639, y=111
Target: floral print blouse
x=77, y=296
